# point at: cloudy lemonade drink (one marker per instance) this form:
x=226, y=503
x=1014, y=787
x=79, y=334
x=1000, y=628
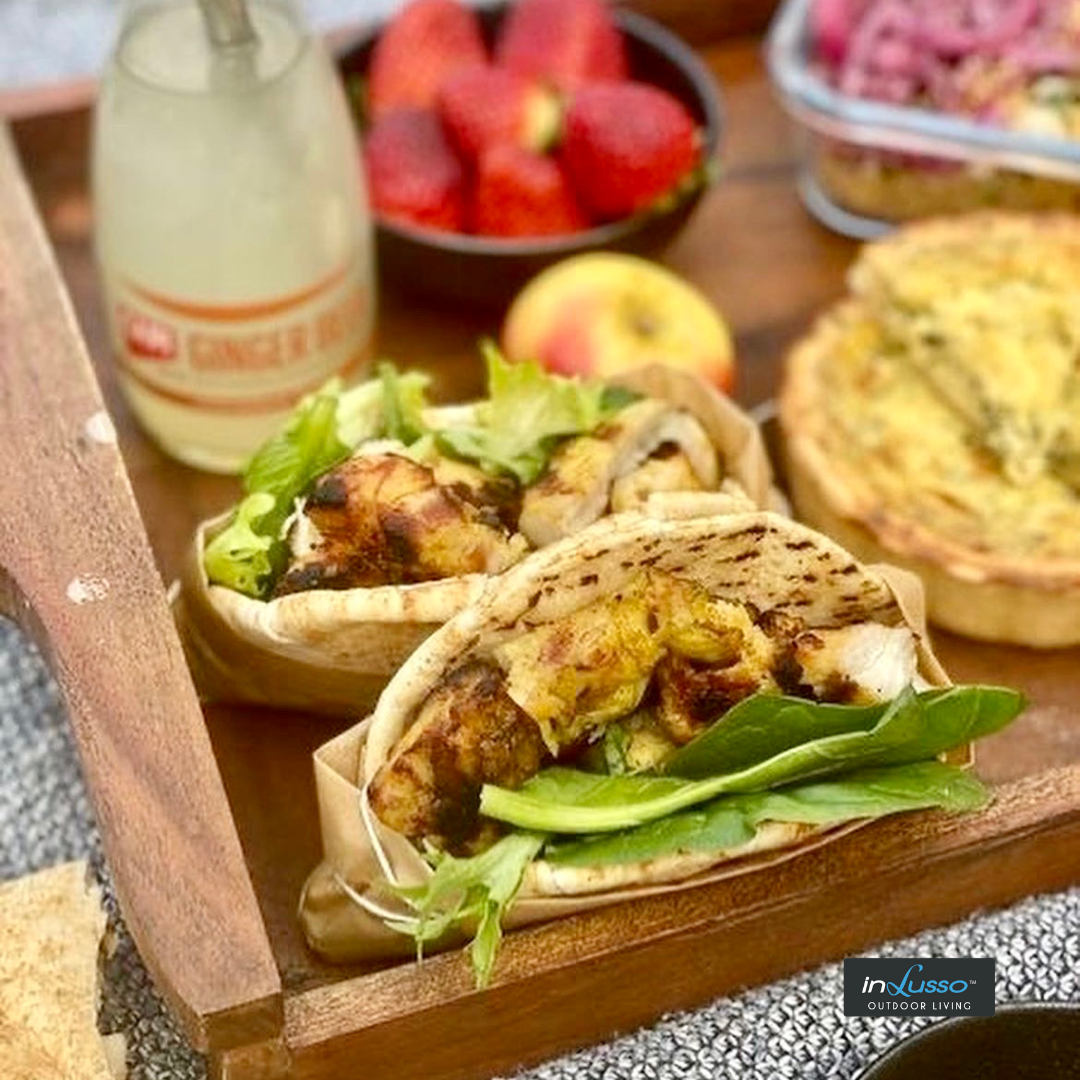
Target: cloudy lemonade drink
x=231, y=225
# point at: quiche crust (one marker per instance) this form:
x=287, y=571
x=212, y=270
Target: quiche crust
x=879, y=460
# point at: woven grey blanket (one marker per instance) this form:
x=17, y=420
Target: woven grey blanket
x=792, y=1030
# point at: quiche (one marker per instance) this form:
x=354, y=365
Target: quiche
x=932, y=418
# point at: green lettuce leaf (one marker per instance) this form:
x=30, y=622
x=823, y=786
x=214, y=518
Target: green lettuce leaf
x=322, y=431
x=239, y=556
x=404, y=399
x=471, y=892
x=361, y=412
x=524, y=415
x=733, y=820
x=913, y=727
x=307, y=445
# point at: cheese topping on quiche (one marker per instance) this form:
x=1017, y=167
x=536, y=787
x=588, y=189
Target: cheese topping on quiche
x=990, y=319
x=922, y=459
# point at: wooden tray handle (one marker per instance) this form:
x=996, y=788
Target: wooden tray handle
x=77, y=572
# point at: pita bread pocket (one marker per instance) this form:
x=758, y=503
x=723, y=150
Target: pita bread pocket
x=332, y=649
x=51, y=929
x=597, y=654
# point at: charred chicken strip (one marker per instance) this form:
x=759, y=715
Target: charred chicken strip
x=577, y=488
x=467, y=733
x=499, y=496
x=577, y=674
x=848, y=665
x=384, y=519
x=691, y=696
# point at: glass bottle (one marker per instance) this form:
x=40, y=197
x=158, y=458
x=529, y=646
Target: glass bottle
x=232, y=230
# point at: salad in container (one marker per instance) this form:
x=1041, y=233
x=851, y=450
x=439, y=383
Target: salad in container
x=910, y=108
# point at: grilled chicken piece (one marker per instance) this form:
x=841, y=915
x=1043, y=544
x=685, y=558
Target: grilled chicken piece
x=384, y=519
x=692, y=696
x=577, y=488
x=467, y=733
x=694, y=690
x=498, y=495
x=857, y=664
x=576, y=675
x=645, y=743
x=669, y=469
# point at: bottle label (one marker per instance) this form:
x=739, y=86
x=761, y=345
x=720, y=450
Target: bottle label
x=252, y=357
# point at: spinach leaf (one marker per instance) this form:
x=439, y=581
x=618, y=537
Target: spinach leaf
x=763, y=725
x=913, y=727
x=717, y=826
x=732, y=820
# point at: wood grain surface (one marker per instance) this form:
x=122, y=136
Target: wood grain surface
x=76, y=570
x=752, y=250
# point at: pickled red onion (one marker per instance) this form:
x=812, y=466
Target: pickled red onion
x=952, y=55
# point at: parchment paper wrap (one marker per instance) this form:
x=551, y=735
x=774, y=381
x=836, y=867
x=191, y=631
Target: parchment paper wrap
x=361, y=854
x=332, y=651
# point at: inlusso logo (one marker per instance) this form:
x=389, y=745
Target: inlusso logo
x=906, y=987
x=921, y=985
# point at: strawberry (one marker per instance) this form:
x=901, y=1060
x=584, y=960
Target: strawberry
x=521, y=193
x=625, y=145
x=484, y=106
x=565, y=42
x=412, y=171
x=422, y=44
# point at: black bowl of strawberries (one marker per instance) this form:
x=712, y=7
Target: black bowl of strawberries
x=498, y=141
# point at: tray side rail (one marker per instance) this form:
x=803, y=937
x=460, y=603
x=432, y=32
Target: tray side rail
x=76, y=571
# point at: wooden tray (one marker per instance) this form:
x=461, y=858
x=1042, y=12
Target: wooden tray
x=209, y=819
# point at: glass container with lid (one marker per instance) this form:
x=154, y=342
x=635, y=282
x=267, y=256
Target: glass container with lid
x=867, y=164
